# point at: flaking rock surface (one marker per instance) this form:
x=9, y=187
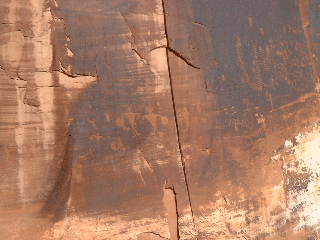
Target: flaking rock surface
x=159, y=119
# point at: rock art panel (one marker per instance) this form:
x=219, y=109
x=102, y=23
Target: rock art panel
x=159, y=119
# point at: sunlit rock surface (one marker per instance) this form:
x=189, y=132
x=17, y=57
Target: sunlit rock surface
x=159, y=119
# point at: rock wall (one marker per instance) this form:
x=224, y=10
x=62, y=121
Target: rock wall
x=159, y=119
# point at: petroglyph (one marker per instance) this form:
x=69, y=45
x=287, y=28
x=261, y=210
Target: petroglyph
x=101, y=102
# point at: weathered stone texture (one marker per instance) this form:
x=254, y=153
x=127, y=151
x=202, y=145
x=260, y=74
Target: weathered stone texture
x=159, y=119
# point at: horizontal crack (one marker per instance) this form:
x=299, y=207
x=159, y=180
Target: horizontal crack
x=186, y=60
x=31, y=102
x=199, y=24
x=76, y=75
x=141, y=58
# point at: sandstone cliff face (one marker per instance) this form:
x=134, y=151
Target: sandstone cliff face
x=159, y=119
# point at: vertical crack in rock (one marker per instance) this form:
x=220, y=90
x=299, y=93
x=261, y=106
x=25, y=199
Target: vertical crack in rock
x=303, y=9
x=174, y=105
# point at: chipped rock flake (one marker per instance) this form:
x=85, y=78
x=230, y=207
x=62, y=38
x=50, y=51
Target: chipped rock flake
x=114, y=228
x=142, y=109
x=303, y=183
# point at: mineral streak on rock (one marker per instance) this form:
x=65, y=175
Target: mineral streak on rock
x=159, y=119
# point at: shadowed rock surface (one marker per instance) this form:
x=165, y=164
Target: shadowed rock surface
x=159, y=119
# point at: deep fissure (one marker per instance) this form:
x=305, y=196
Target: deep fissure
x=174, y=105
